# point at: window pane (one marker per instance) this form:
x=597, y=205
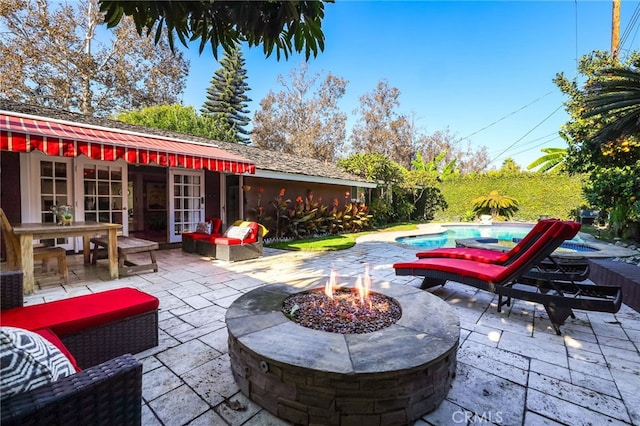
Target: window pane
x=116, y=174
x=46, y=186
x=46, y=169
x=103, y=174
x=61, y=170
x=61, y=186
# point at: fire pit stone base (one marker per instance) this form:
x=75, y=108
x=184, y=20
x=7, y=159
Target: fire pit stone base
x=389, y=377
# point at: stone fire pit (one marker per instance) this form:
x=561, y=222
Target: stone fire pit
x=305, y=376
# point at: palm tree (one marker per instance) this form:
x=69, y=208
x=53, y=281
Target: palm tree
x=553, y=159
x=617, y=98
x=495, y=203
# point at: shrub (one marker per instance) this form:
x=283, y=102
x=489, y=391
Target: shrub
x=538, y=194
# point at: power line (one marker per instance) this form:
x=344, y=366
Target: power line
x=632, y=23
x=545, y=139
x=525, y=135
x=537, y=146
x=507, y=116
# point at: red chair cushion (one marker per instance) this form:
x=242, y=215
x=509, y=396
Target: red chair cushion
x=479, y=255
x=482, y=271
x=53, y=338
x=79, y=313
x=195, y=236
x=226, y=241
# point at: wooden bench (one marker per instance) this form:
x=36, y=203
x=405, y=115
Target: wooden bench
x=126, y=246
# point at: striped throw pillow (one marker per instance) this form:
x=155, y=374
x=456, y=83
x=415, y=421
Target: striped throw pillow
x=28, y=360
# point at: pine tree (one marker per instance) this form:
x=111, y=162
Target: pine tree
x=226, y=94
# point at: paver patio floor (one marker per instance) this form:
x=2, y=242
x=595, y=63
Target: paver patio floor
x=512, y=367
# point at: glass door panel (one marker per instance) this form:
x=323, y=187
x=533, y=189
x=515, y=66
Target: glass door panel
x=186, y=195
x=103, y=186
x=55, y=190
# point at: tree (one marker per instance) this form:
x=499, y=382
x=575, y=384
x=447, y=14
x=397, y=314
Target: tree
x=226, y=94
x=468, y=158
x=596, y=111
x=615, y=96
x=304, y=118
x=420, y=182
x=183, y=119
x=437, y=167
x=552, y=160
x=281, y=25
x=509, y=166
x=380, y=129
x=389, y=175
x=53, y=56
x=496, y=204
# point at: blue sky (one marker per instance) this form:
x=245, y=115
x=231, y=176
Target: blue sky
x=458, y=65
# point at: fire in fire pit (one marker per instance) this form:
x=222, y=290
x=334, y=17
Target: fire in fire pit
x=341, y=310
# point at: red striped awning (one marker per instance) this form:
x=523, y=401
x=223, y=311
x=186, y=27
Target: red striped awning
x=25, y=134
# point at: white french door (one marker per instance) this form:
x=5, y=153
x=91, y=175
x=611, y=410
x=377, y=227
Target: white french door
x=186, y=202
x=50, y=180
x=102, y=192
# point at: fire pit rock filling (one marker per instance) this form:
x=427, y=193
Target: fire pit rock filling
x=390, y=376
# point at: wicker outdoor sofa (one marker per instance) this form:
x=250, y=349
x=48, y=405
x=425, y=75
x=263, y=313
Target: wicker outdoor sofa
x=108, y=389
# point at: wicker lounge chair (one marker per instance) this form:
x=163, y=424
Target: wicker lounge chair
x=108, y=393
x=507, y=281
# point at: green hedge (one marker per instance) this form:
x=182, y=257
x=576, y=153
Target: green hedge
x=537, y=194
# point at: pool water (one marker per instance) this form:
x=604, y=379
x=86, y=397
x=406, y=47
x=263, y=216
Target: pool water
x=455, y=232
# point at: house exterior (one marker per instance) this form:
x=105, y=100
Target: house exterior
x=156, y=183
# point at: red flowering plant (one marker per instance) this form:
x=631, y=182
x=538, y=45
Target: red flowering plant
x=304, y=217
x=353, y=217
x=281, y=216
x=307, y=216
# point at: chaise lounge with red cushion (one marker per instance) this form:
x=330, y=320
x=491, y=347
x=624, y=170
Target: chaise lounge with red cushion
x=491, y=256
x=507, y=281
x=555, y=268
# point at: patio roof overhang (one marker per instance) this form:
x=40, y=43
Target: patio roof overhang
x=25, y=133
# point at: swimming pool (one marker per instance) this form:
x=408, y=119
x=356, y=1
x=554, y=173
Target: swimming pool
x=448, y=238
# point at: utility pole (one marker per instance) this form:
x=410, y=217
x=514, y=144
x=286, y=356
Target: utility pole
x=615, y=30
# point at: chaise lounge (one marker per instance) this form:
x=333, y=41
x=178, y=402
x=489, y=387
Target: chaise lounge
x=551, y=268
x=512, y=280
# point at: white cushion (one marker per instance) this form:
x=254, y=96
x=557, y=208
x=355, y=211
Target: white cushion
x=28, y=360
x=239, y=232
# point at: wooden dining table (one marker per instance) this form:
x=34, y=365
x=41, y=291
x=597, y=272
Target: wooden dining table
x=27, y=232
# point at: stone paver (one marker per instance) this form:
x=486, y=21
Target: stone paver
x=512, y=368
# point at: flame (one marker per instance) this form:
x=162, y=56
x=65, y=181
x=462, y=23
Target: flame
x=367, y=281
x=331, y=284
x=359, y=289
x=362, y=287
